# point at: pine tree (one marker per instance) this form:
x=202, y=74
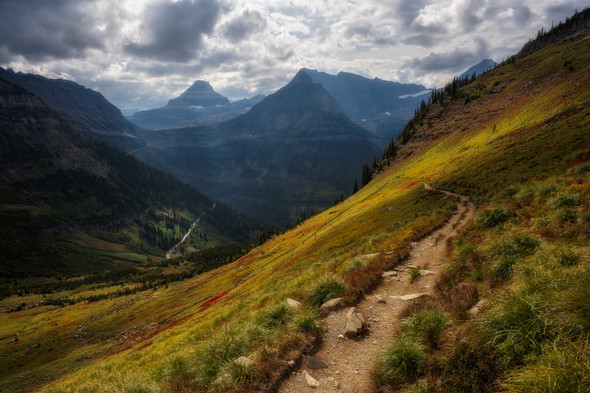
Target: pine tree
x=355, y=189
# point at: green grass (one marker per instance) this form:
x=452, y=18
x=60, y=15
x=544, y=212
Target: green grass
x=402, y=361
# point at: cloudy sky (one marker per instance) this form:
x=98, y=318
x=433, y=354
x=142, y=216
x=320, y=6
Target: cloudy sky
x=140, y=53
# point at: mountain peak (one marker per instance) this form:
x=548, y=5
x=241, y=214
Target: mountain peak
x=201, y=93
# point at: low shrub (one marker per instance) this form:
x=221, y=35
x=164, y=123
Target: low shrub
x=414, y=274
x=328, y=289
x=491, y=218
x=568, y=214
x=402, y=361
x=470, y=369
x=422, y=386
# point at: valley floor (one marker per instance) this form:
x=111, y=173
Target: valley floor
x=350, y=361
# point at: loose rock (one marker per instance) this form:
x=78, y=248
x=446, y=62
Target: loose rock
x=336, y=383
x=410, y=296
x=355, y=325
x=311, y=381
x=315, y=364
x=332, y=305
x=293, y=303
x=244, y=361
x=390, y=273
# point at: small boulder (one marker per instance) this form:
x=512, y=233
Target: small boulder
x=390, y=273
x=291, y=363
x=332, y=305
x=244, y=361
x=424, y=272
x=315, y=364
x=293, y=303
x=311, y=381
x=355, y=325
x=475, y=309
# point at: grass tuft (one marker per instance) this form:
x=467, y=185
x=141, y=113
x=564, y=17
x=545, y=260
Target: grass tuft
x=428, y=326
x=491, y=218
x=276, y=316
x=566, y=257
x=308, y=321
x=328, y=289
x=402, y=361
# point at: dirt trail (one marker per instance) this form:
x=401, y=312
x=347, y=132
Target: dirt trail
x=350, y=361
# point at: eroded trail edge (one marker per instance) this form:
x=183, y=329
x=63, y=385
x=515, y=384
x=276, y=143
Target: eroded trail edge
x=350, y=361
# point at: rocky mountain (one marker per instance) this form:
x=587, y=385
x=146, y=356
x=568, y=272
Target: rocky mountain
x=479, y=68
x=198, y=105
x=380, y=106
x=70, y=203
x=295, y=152
x=84, y=108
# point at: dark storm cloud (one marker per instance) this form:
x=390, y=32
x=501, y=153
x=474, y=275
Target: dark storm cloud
x=558, y=13
x=175, y=30
x=242, y=26
x=408, y=10
x=40, y=29
x=451, y=61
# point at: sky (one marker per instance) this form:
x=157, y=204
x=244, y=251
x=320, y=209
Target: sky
x=141, y=53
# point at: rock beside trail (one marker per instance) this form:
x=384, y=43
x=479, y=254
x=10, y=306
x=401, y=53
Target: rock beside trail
x=332, y=305
x=355, y=323
x=475, y=309
x=315, y=364
x=336, y=383
x=390, y=273
x=244, y=361
x=293, y=303
x=411, y=296
x=424, y=272
x=311, y=381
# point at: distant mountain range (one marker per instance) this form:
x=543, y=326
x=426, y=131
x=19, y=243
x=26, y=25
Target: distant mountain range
x=198, y=105
x=293, y=153
x=84, y=108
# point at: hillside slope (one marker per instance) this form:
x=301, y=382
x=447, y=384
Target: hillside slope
x=86, y=109
x=70, y=204
x=523, y=122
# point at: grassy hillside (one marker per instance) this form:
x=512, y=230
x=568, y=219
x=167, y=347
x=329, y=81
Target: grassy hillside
x=518, y=139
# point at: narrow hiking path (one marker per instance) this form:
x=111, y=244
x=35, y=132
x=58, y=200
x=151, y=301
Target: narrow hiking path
x=350, y=361
x=173, y=252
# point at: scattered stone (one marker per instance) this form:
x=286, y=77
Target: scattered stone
x=390, y=273
x=311, y=381
x=341, y=336
x=337, y=372
x=355, y=325
x=424, y=272
x=293, y=303
x=369, y=256
x=244, y=361
x=425, y=287
x=332, y=305
x=410, y=296
x=291, y=363
x=380, y=299
x=315, y=364
x=351, y=311
x=475, y=309
x=336, y=383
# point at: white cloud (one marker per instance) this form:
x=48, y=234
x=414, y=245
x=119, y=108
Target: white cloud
x=141, y=53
